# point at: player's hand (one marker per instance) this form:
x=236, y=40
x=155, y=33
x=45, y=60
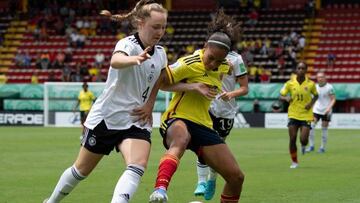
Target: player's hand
x=308, y=106
x=143, y=114
x=288, y=99
x=226, y=96
x=205, y=90
x=327, y=111
x=143, y=56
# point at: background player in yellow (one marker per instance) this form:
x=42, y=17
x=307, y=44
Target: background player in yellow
x=301, y=94
x=85, y=100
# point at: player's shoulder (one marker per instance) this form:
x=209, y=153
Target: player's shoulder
x=191, y=59
x=330, y=86
x=159, y=47
x=310, y=82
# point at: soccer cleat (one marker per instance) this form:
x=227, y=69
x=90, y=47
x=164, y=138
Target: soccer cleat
x=321, y=150
x=45, y=200
x=158, y=196
x=210, y=189
x=310, y=149
x=294, y=165
x=200, y=189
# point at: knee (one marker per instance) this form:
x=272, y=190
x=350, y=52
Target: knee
x=304, y=141
x=236, y=178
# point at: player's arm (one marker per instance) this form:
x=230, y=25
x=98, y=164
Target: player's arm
x=332, y=103
x=120, y=59
x=284, y=93
x=241, y=91
x=314, y=98
x=312, y=102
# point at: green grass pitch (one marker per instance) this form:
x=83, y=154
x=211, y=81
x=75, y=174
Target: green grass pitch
x=33, y=158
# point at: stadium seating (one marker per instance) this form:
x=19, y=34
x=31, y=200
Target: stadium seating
x=336, y=30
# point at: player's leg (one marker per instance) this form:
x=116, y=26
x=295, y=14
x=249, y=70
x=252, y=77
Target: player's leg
x=176, y=138
x=312, y=134
x=220, y=158
x=136, y=155
x=304, y=135
x=84, y=164
x=223, y=127
x=324, y=135
x=202, y=173
x=293, y=128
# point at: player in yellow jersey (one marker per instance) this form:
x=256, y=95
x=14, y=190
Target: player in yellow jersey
x=301, y=94
x=186, y=124
x=85, y=100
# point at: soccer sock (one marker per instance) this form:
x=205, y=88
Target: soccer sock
x=167, y=168
x=212, y=174
x=226, y=198
x=67, y=182
x=127, y=184
x=312, y=135
x=293, y=154
x=324, y=137
x=202, y=172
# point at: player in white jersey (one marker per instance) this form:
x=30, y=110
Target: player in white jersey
x=223, y=111
x=117, y=119
x=322, y=110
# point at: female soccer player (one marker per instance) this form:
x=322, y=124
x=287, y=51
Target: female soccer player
x=322, y=111
x=302, y=97
x=85, y=100
x=186, y=124
x=223, y=111
x=135, y=66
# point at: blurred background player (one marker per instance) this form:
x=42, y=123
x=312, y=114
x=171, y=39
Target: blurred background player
x=223, y=111
x=135, y=66
x=302, y=96
x=186, y=124
x=322, y=110
x=85, y=100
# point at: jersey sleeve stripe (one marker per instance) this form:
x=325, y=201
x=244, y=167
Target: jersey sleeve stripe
x=241, y=75
x=170, y=76
x=192, y=61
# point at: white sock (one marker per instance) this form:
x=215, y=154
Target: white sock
x=312, y=135
x=324, y=137
x=67, y=182
x=202, y=172
x=212, y=174
x=127, y=184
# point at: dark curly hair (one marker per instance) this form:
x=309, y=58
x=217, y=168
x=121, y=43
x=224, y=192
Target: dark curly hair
x=224, y=29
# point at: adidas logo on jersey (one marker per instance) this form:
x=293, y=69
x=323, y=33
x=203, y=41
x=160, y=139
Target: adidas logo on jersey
x=125, y=196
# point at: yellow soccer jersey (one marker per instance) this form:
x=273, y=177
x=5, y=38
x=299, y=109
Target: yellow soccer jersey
x=190, y=105
x=301, y=95
x=86, y=99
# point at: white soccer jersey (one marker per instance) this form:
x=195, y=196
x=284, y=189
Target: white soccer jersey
x=228, y=109
x=324, y=98
x=127, y=88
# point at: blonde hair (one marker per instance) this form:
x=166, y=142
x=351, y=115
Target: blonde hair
x=141, y=11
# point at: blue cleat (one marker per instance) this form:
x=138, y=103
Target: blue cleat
x=200, y=189
x=321, y=150
x=158, y=196
x=310, y=149
x=210, y=189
